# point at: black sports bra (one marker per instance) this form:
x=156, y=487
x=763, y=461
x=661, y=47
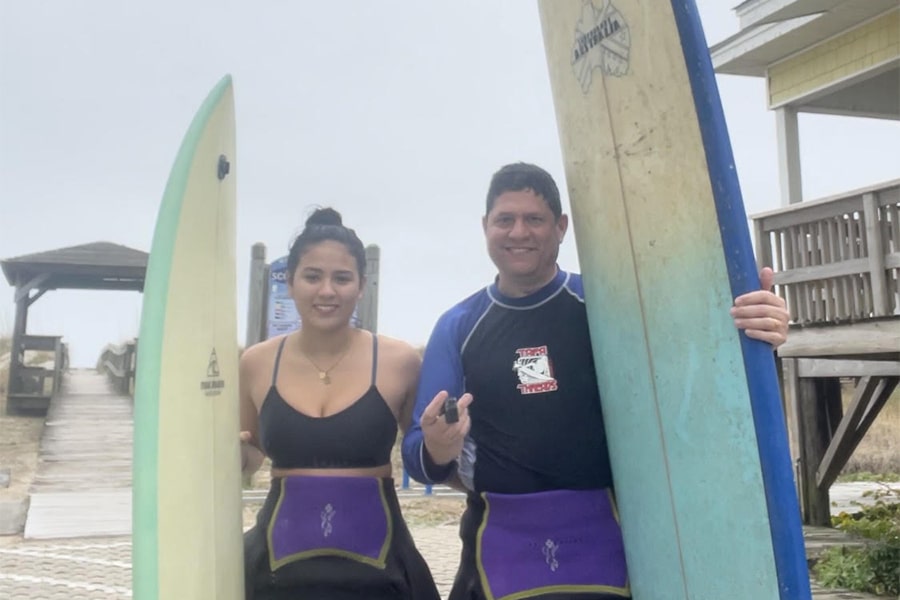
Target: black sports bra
x=361, y=435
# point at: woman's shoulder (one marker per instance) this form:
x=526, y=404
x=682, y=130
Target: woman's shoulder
x=398, y=352
x=261, y=354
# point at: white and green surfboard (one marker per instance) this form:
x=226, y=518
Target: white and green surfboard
x=187, y=485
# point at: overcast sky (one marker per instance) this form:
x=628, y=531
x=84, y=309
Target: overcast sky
x=394, y=112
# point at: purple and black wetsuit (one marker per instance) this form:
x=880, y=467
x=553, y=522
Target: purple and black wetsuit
x=332, y=538
x=540, y=519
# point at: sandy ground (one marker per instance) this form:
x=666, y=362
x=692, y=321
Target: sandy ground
x=19, y=442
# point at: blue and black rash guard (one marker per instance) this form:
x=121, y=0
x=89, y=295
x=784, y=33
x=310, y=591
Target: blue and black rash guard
x=536, y=420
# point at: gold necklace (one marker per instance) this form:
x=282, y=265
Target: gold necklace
x=324, y=377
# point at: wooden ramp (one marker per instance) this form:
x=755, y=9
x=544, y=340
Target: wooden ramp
x=82, y=486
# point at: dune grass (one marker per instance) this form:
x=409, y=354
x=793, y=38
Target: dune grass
x=878, y=455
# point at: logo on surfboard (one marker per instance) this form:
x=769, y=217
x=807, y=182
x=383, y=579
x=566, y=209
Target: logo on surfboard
x=213, y=385
x=602, y=41
x=534, y=370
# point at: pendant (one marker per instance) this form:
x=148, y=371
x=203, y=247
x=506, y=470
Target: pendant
x=324, y=378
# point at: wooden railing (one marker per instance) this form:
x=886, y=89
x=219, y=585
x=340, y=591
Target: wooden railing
x=119, y=362
x=46, y=377
x=837, y=259
x=36, y=364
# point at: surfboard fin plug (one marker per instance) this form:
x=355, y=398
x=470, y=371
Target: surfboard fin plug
x=224, y=167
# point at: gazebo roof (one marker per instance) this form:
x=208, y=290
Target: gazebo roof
x=94, y=266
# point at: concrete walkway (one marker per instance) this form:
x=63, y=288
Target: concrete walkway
x=100, y=568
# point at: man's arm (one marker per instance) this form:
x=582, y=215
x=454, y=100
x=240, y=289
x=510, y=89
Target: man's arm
x=441, y=372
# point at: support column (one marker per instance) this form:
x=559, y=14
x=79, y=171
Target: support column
x=16, y=355
x=789, y=171
x=820, y=413
x=876, y=250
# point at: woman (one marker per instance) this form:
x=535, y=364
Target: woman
x=323, y=403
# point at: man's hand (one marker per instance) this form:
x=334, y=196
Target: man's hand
x=761, y=314
x=443, y=440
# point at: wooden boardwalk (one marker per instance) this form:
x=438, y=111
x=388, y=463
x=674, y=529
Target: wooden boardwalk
x=82, y=487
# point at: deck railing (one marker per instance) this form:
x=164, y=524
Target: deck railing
x=119, y=362
x=836, y=259
x=36, y=365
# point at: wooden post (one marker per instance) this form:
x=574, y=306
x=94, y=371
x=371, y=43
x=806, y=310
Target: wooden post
x=788, y=139
x=16, y=354
x=791, y=393
x=368, y=306
x=132, y=366
x=875, y=250
x=819, y=399
x=127, y=368
x=763, y=245
x=57, y=366
x=256, y=305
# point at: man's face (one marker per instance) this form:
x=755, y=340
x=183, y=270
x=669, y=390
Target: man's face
x=523, y=240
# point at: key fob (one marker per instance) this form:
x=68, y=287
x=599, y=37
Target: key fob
x=449, y=410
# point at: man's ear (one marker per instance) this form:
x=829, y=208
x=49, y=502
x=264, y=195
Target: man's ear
x=562, y=225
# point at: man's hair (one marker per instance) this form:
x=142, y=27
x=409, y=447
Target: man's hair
x=523, y=176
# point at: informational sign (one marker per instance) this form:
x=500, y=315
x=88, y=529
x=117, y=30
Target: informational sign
x=281, y=312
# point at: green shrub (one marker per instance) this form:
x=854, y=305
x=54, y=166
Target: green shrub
x=875, y=566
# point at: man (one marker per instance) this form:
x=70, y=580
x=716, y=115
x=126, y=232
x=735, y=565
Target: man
x=529, y=443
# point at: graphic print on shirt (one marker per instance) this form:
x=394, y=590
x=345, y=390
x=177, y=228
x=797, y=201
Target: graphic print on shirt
x=535, y=371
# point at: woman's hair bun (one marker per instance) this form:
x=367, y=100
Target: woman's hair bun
x=324, y=216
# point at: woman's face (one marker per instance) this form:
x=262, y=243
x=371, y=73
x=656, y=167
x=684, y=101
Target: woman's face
x=326, y=285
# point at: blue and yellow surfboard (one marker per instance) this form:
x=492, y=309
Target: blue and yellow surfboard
x=693, y=414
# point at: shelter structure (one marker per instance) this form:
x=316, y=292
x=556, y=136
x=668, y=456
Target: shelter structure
x=94, y=266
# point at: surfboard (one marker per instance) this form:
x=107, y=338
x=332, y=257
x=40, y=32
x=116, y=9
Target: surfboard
x=696, y=433
x=187, y=526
